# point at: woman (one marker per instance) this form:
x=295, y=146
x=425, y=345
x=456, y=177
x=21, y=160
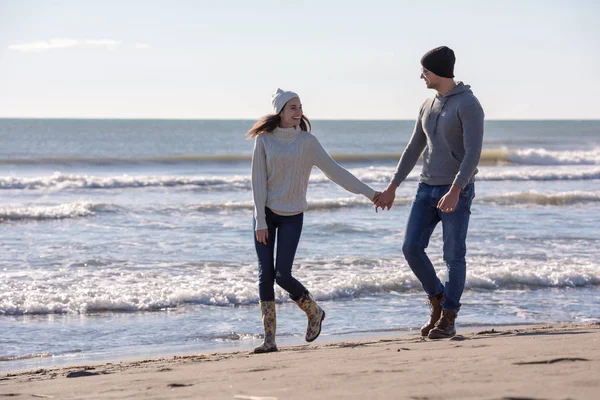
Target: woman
x=284, y=154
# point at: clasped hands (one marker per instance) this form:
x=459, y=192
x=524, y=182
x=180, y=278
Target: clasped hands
x=386, y=198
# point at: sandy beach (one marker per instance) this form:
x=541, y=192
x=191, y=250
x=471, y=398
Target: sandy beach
x=541, y=362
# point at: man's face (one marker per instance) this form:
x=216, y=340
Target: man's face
x=431, y=79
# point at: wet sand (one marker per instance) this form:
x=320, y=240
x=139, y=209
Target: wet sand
x=559, y=361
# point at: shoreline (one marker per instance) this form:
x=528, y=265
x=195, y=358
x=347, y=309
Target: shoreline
x=554, y=361
x=25, y=363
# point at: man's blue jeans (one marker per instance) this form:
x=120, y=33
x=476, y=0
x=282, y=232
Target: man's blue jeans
x=278, y=269
x=423, y=218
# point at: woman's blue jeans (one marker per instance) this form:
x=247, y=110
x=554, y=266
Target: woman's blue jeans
x=423, y=218
x=278, y=269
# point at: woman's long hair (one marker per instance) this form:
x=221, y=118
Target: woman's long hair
x=268, y=123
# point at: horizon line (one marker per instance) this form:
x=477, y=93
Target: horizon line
x=256, y=119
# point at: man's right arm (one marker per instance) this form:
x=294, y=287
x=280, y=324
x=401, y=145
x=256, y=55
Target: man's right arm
x=407, y=162
x=411, y=154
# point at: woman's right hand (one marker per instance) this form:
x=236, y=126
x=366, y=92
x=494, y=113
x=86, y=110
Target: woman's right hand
x=262, y=235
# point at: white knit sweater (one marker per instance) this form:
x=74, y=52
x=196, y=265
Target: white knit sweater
x=281, y=166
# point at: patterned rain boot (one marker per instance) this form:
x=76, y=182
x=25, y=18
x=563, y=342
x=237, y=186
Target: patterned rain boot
x=435, y=305
x=444, y=328
x=267, y=309
x=314, y=313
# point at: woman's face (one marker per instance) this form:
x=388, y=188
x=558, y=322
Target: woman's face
x=291, y=115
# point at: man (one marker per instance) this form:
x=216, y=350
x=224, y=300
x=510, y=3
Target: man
x=450, y=130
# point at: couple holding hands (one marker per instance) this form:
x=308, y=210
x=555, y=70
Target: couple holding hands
x=448, y=134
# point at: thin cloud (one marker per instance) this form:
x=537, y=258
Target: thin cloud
x=52, y=44
x=44, y=45
x=142, y=46
x=109, y=44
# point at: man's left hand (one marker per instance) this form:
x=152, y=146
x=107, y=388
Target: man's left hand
x=449, y=201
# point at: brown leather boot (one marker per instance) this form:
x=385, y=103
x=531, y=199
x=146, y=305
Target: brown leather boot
x=444, y=328
x=435, y=305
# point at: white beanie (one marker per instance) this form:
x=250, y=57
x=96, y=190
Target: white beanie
x=279, y=98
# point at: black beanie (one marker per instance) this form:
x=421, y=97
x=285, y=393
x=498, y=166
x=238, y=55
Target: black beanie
x=440, y=61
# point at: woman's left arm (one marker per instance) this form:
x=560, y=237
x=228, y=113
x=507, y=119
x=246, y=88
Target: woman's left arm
x=337, y=173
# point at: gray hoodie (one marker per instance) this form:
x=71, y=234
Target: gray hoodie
x=450, y=130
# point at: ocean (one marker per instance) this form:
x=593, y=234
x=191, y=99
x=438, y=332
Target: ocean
x=133, y=238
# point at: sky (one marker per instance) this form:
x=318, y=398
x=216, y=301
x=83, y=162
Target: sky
x=346, y=59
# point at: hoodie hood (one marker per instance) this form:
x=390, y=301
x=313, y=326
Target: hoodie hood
x=460, y=88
